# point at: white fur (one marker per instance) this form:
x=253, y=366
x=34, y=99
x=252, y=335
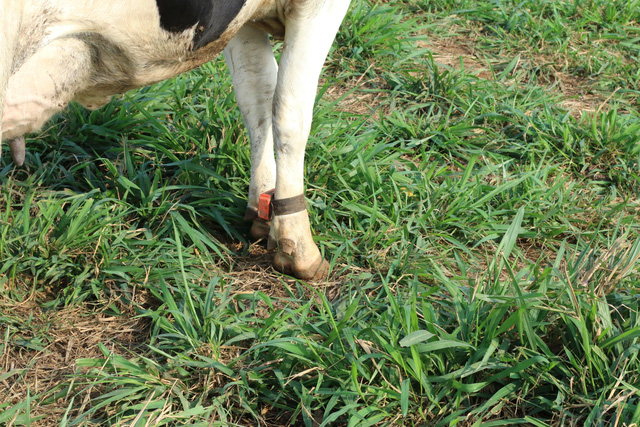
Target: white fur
x=34, y=96
x=254, y=72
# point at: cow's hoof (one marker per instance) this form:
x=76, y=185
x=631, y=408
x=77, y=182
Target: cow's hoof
x=286, y=261
x=260, y=229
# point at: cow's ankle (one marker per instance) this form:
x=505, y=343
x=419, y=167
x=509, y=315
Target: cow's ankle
x=260, y=228
x=315, y=270
x=297, y=255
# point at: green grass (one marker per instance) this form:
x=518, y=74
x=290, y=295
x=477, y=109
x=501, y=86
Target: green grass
x=483, y=238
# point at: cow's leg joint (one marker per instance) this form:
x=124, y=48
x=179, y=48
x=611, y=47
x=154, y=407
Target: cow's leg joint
x=297, y=254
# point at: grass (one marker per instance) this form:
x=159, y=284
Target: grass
x=473, y=178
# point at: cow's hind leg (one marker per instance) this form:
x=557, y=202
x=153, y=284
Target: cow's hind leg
x=44, y=84
x=310, y=30
x=254, y=72
x=10, y=18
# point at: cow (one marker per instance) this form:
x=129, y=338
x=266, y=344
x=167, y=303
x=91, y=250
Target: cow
x=56, y=51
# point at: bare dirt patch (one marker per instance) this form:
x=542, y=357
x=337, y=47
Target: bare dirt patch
x=356, y=97
x=254, y=272
x=577, y=98
x=458, y=52
x=361, y=95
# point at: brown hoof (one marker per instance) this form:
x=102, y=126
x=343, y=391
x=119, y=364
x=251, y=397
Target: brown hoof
x=260, y=229
x=315, y=271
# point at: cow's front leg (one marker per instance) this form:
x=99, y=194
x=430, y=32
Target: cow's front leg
x=310, y=30
x=254, y=72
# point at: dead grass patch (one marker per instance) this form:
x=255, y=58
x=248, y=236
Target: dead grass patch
x=359, y=96
x=66, y=335
x=457, y=52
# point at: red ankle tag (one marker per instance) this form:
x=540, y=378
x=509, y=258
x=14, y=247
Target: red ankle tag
x=264, y=205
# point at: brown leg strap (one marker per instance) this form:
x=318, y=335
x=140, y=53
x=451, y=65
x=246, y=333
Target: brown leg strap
x=268, y=206
x=289, y=205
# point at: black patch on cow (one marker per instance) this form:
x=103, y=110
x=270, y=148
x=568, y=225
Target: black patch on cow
x=211, y=16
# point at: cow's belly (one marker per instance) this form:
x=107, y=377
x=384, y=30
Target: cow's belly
x=134, y=44
x=90, y=50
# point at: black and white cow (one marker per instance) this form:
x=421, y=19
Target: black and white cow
x=55, y=51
